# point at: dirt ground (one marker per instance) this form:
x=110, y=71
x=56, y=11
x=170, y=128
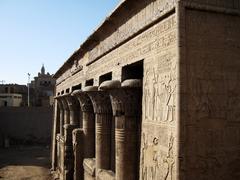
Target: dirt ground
x=25, y=163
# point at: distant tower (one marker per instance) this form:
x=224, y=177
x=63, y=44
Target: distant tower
x=43, y=69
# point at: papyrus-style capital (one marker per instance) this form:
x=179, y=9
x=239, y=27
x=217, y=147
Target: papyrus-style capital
x=72, y=102
x=100, y=100
x=125, y=97
x=59, y=102
x=126, y=105
x=84, y=100
x=64, y=101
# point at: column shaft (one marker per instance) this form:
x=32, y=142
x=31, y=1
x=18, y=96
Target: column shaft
x=126, y=104
x=103, y=138
x=126, y=146
x=88, y=123
x=103, y=113
x=55, y=131
x=66, y=116
x=78, y=154
x=89, y=134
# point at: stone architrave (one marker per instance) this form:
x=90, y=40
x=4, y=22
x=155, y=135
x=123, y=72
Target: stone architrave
x=88, y=124
x=103, y=112
x=126, y=105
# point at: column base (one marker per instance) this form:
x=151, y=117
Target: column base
x=103, y=174
x=89, y=166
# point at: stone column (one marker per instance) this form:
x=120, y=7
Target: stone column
x=61, y=115
x=78, y=154
x=74, y=110
x=103, y=111
x=88, y=126
x=60, y=141
x=126, y=105
x=68, y=128
x=66, y=109
x=55, y=131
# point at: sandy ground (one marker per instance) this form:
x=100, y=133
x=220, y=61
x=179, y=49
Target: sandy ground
x=25, y=163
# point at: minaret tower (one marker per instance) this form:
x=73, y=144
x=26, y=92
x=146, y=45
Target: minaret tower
x=43, y=69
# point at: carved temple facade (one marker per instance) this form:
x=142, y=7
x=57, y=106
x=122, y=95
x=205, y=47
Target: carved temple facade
x=152, y=94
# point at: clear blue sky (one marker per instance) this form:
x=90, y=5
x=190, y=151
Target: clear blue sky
x=33, y=32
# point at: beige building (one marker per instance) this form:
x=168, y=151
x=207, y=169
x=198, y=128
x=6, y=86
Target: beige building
x=10, y=100
x=13, y=95
x=152, y=94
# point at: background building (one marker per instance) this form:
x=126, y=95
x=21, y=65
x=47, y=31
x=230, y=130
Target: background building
x=14, y=100
x=13, y=95
x=43, y=87
x=40, y=91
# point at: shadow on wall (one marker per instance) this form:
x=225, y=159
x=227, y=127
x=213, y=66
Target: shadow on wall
x=25, y=126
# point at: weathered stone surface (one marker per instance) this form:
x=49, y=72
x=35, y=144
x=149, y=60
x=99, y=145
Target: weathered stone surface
x=126, y=105
x=88, y=127
x=61, y=115
x=189, y=110
x=74, y=110
x=89, y=169
x=103, y=112
x=212, y=96
x=87, y=142
x=105, y=175
x=78, y=153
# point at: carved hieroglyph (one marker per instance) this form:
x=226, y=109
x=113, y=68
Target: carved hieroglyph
x=158, y=148
x=160, y=89
x=154, y=40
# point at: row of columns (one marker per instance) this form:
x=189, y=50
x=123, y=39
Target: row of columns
x=112, y=104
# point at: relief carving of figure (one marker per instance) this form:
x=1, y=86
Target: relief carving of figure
x=149, y=159
x=169, y=160
x=155, y=163
x=169, y=84
x=147, y=96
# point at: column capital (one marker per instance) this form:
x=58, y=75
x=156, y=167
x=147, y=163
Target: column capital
x=72, y=102
x=63, y=100
x=84, y=100
x=125, y=96
x=100, y=100
x=59, y=102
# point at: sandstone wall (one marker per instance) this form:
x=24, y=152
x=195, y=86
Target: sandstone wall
x=210, y=99
x=159, y=120
x=190, y=102
x=230, y=4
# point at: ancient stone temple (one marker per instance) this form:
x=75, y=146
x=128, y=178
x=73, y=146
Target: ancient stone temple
x=152, y=94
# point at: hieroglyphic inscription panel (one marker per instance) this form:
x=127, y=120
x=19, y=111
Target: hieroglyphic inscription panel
x=158, y=148
x=157, y=47
x=153, y=41
x=211, y=102
x=144, y=17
